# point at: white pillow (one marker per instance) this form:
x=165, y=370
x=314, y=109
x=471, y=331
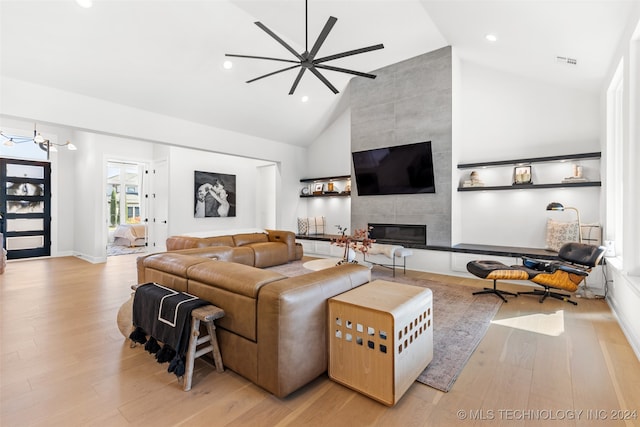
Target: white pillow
x=316, y=225
x=559, y=233
x=311, y=225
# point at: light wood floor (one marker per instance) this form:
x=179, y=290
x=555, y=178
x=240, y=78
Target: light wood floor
x=65, y=363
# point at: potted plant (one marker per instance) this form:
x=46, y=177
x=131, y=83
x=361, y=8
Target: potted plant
x=359, y=241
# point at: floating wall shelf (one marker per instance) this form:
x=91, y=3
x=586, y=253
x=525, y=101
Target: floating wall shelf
x=582, y=156
x=529, y=161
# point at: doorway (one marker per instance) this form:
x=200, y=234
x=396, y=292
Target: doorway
x=125, y=208
x=25, y=208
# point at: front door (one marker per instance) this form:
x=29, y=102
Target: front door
x=25, y=207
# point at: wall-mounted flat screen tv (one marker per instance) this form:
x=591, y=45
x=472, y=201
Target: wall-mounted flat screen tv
x=403, y=169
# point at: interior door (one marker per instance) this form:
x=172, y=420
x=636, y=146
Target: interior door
x=159, y=215
x=25, y=207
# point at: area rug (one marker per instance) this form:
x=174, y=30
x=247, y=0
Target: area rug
x=113, y=250
x=460, y=321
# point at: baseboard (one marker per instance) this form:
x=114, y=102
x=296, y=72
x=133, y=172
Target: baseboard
x=623, y=299
x=91, y=259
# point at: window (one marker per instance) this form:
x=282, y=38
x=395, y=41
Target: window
x=615, y=160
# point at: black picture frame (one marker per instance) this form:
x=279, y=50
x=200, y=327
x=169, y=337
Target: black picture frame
x=214, y=195
x=522, y=175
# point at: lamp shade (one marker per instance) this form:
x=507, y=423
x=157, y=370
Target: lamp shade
x=555, y=206
x=38, y=139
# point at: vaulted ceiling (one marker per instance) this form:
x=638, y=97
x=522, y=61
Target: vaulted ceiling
x=167, y=56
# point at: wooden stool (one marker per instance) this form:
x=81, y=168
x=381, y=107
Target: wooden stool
x=207, y=314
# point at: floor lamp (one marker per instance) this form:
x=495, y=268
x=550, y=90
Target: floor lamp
x=583, y=292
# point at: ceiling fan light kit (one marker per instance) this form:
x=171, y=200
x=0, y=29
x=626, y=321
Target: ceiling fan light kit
x=307, y=60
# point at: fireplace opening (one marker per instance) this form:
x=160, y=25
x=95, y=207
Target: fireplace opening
x=399, y=234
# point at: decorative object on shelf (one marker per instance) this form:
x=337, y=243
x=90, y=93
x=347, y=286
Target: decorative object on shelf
x=577, y=175
x=522, y=175
x=329, y=186
x=305, y=191
x=307, y=60
x=473, y=181
x=44, y=144
x=359, y=241
x=555, y=206
x=214, y=194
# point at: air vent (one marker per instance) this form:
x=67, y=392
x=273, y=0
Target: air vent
x=566, y=60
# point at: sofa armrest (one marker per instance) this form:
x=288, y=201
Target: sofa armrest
x=292, y=326
x=286, y=237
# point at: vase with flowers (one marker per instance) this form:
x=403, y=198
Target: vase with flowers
x=359, y=241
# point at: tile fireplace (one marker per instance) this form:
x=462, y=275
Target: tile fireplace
x=399, y=234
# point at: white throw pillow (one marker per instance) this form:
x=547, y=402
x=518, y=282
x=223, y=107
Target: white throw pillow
x=559, y=233
x=316, y=225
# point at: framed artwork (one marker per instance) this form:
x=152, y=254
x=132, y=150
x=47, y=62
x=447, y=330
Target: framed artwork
x=318, y=188
x=522, y=175
x=214, y=195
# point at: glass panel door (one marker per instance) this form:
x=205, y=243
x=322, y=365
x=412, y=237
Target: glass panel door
x=25, y=208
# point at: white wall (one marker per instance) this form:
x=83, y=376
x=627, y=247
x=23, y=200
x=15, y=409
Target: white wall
x=504, y=116
x=266, y=196
x=94, y=150
x=45, y=104
x=181, y=187
x=624, y=286
x=105, y=130
x=329, y=155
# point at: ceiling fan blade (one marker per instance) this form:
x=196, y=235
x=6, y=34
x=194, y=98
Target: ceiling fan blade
x=279, y=40
x=261, y=57
x=344, y=70
x=272, y=73
x=349, y=53
x=323, y=79
x=296, y=81
x=322, y=37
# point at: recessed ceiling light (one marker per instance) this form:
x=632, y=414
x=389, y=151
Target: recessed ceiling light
x=227, y=65
x=491, y=37
x=85, y=3
x=304, y=98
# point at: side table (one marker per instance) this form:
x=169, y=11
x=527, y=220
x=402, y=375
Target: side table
x=380, y=338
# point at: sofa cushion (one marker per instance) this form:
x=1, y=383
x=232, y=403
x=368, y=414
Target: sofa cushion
x=235, y=291
x=170, y=269
x=216, y=241
x=245, y=239
x=175, y=243
x=266, y=254
x=174, y=263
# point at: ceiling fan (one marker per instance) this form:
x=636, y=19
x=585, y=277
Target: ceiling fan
x=307, y=60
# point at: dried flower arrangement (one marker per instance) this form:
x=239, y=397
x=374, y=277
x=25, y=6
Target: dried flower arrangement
x=358, y=241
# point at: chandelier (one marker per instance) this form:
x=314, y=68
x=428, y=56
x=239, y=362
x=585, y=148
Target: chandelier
x=44, y=144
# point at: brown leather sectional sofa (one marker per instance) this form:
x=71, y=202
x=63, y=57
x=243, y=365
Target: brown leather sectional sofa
x=260, y=250
x=274, y=331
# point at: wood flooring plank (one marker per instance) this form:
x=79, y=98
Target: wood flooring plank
x=63, y=361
